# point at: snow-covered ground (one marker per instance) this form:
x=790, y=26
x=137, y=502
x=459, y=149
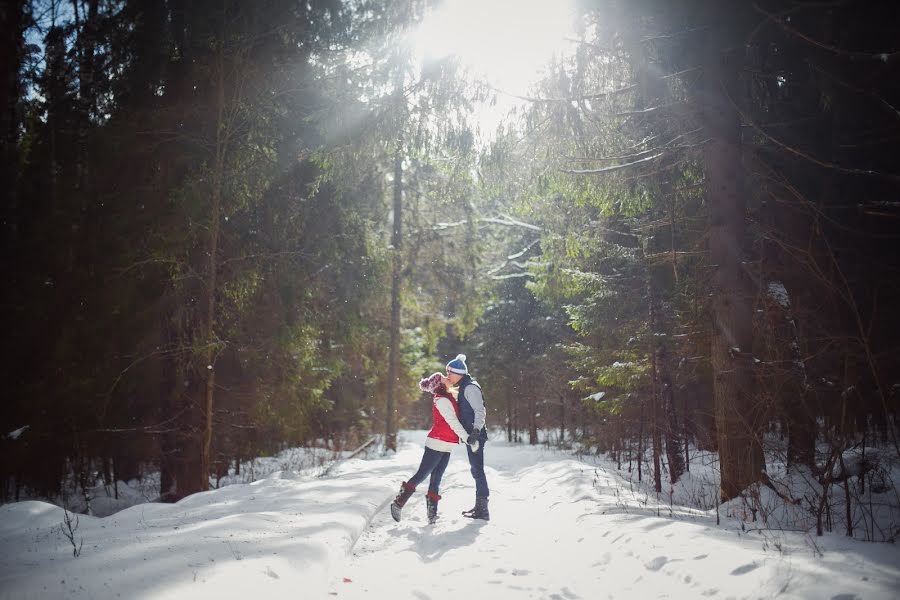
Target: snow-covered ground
x=560, y=528
x=107, y=500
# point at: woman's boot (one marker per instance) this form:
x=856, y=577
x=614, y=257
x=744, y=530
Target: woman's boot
x=406, y=490
x=431, y=502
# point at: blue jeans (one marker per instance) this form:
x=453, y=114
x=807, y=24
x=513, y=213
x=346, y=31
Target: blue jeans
x=433, y=463
x=476, y=462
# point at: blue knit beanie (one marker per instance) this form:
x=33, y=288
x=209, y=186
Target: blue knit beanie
x=458, y=365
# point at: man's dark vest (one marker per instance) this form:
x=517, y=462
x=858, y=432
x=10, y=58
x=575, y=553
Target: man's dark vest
x=466, y=412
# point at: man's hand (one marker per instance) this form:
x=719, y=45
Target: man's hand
x=473, y=437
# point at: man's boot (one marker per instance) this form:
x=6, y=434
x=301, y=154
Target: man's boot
x=480, y=511
x=406, y=490
x=431, y=503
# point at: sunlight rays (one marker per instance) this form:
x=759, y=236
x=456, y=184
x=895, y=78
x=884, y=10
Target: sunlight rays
x=504, y=43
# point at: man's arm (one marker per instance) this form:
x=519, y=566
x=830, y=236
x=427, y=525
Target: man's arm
x=476, y=401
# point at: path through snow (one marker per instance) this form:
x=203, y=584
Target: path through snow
x=562, y=529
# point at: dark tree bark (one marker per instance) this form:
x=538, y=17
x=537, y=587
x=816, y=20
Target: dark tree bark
x=390, y=435
x=12, y=42
x=209, y=334
x=655, y=420
x=562, y=419
x=86, y=46
x=667, y=400
x=740, y=450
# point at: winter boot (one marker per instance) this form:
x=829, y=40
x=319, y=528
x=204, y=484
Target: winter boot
x=431, y=502
x=480, y=510
x=471, y=511
x=406, y=490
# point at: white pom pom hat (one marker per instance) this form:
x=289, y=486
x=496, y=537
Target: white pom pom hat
x=458, y=365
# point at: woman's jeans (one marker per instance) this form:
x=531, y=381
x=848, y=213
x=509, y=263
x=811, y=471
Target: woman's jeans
x=433, y=463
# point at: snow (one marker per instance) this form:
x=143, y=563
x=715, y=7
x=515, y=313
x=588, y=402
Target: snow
x=14, y=435
x=778, y=293
x=561, y=527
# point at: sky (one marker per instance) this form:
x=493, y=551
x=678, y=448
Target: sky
x=506, y=43
x=561, y=528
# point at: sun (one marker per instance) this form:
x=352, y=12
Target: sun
x=505, y=43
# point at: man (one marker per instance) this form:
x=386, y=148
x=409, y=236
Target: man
x=472, y=415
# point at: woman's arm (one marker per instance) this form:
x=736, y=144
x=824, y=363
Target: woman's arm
x=445, y=407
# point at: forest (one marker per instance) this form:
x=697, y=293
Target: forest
x=235, y=227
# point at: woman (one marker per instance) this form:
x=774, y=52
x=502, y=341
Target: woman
x=443, y=437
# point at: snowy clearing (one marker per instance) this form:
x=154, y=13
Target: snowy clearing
x=560, y=528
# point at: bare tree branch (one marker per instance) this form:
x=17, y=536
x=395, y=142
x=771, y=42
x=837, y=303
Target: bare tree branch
x=611, y=168
x=884, y=57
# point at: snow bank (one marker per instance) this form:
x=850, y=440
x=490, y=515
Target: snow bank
x=107, y=500
x=278, y=538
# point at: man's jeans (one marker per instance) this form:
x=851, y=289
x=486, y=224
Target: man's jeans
x=476, y=462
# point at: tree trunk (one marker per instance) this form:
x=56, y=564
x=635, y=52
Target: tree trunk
x=655, y=421
x=209, y=335
x=740, y=451
x=390, y=436
x=12, y=17
x=532, y=420
x=640, y=448
x=667, y=397
x=509, y=416
x=86, y=45
x=562, y=419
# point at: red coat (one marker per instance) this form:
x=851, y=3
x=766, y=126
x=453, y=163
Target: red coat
x=441, y=430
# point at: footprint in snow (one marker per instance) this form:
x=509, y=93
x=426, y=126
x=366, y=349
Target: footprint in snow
x=604, y=560
x=744, y=569
x=271, y=573
x=657, y=525
x=657, y=563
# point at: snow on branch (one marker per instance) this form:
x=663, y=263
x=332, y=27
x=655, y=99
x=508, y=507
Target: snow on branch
x=521, y=253
x=14, y=435
x=512, y=260
x=611, y=168
x=777, y=292
x=511, y=222
x=657, y=150
x=502, y=220
x=570, y=99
